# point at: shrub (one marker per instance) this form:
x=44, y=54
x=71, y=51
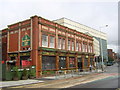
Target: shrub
x=24, y=74
x=15, y=73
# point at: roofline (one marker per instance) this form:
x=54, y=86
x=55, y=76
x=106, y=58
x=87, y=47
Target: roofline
x=79, y=23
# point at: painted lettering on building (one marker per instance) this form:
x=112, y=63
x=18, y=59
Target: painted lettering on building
x=26, y=40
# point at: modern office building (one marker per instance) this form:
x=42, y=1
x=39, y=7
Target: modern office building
x=97, y=35
x=0, y=55
x=47, y=45
x=0, y=45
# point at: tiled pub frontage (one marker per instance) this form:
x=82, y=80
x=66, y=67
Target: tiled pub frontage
x=57, y=60
x=48, y=46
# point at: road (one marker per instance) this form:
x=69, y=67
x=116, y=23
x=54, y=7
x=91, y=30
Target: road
x=105, y=80
x=110, y=82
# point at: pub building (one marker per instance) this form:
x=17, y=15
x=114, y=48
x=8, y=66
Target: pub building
x=47, y=45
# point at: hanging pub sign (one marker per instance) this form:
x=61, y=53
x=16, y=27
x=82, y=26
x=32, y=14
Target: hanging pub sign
x=26, y=40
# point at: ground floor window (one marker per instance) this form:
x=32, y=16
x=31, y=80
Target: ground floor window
x=48, y=62
x=62, y=62
x=86, y=62
x=11, y=63
x=72, y=62
x=91, y=61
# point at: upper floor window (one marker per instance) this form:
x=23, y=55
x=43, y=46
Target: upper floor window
x=89, y=50
x=44, y=40
x=69, y=44
x=52, y=42
x=73, y=45
x=83, y=47
x=63, y=43
x=59, y=43
x=77, y=46
x=80, y=46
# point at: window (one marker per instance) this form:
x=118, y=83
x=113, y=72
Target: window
x=52, y=42
x=83, y=47
x=44, y=40
x=62, y=62
x=91, y=61
x=77, y=46
x=72, y=62
x=85, y=62
x=48, y=62
x=89, y=48
x=59, y=43
x=72, y=45
x=80, y=47
x=63, y=43
x=69, y=44
x=11, y=32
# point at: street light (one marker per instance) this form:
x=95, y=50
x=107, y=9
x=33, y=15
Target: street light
x=101, y=47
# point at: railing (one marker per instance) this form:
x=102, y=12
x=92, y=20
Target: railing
x=71, y=73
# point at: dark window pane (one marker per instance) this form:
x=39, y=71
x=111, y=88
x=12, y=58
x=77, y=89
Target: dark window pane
x=72, y=62
x=62, y=62
x=48, y=62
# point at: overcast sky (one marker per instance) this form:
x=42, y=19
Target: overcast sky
x=95, y=13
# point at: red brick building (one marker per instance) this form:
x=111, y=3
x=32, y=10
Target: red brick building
x=112, y=54
x=47, y=45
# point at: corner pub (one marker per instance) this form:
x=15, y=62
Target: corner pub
x=46, y=45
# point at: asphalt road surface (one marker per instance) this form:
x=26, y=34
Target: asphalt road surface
x=110, y=83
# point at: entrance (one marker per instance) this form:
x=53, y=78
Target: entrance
x=80, y=64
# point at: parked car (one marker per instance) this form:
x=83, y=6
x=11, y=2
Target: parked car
x=109, y=63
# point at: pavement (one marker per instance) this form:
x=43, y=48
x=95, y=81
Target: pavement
x=17, y=83
x=44, y=79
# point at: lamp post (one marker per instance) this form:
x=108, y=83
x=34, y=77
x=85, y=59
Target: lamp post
x=101, y=48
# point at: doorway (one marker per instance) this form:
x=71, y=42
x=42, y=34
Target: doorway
x=80, y=64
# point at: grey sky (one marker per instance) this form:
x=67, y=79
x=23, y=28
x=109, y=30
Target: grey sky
x=93, y=13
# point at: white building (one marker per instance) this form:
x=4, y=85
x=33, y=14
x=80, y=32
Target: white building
x=93, y=32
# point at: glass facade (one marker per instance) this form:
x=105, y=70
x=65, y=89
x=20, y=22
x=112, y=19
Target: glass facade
x=104, y=48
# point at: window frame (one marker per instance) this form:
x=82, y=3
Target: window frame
x=47, y=40
x=50, y=42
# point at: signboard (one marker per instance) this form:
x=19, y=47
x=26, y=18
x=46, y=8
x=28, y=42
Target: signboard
x=71, y=55
x=13, y=55
x=26, y=40
x=62, y=54
x=25, y=54
x=48, y=53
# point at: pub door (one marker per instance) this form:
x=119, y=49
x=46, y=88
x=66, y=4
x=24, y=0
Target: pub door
x=80, y=64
